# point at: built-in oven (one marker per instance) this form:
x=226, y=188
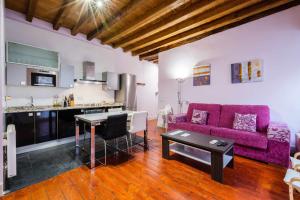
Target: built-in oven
x=40, y=77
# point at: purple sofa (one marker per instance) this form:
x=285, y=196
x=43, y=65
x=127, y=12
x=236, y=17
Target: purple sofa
x=271, y=142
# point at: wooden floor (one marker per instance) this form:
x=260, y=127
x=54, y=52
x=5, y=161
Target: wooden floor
x=148, y=176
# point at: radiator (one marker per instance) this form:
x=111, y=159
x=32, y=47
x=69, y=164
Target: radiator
x=11, y=151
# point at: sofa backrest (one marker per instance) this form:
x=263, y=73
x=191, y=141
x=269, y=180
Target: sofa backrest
x=262, y=112
x=212, y=109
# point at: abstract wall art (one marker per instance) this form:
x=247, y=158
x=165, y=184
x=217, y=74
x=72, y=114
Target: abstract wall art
x=201, y=75
x=246, y=72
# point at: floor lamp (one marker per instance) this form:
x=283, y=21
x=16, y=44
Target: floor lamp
x=179, y=97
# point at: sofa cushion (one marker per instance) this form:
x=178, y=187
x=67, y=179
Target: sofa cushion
x=205, y=129
x=199, y=117
x=213, y=111
x=245, y=138
x=262, y=112
x=245, y=122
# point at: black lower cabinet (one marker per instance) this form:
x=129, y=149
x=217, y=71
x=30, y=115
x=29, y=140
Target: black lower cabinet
x=24, y=123
x=66, y=122
x=45, y=126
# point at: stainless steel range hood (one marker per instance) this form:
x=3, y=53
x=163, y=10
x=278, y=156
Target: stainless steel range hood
x=89, y=74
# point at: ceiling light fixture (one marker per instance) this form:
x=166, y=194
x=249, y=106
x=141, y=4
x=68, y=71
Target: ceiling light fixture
x=99, y=3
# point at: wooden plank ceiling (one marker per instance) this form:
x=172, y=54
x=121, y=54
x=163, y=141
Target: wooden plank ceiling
x=147, y=27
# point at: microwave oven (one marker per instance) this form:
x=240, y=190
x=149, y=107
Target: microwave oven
x=40, y=77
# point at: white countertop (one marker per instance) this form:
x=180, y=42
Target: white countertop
x=98, y=117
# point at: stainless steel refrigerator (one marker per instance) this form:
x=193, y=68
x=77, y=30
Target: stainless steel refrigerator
x=127, y=92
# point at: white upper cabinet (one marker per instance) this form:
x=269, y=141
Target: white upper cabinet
x=16, y=75
x=66, y=76
x=112, y=81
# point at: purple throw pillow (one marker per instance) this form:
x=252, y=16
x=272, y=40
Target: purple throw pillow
x=199, y=117
x=245, y=122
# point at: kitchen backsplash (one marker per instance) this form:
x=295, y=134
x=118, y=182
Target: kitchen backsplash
x=83, y=94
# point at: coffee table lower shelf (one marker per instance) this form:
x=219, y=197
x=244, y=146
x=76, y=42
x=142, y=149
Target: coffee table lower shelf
x=199, y=155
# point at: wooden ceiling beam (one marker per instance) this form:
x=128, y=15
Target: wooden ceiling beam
x=180, y=14
x=81, y=22
x=155, y=57
x=202, y=18
x=228, y=19
x=130, y=8
x=147, y=55
x=149, y=16
x=31, y=7
x=62, y=12
x=224, y=28
x=155, y=61
x=151, y=58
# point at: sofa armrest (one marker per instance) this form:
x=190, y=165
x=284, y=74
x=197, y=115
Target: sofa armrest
x=174, y=118
x=279, y=132
x=278, y=144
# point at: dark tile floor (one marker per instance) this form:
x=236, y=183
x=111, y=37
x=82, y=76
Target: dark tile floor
x=36, y=166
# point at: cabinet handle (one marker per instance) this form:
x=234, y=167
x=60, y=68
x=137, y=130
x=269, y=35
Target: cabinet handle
x=38, y=114
x=30, y=114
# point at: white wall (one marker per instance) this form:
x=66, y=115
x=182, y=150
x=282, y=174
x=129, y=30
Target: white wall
x=146, y=73
x=73, y=51
x=274, y=39
x=2, y=64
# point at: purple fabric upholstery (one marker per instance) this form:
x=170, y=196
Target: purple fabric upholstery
x=253, y=153
x=205, y=129
x=176, y=118
x=271, y=142
x=212, y=109
x=245, y=138
x=278, y=153
x=262, y=112
x=278, y=144
x=278, y=132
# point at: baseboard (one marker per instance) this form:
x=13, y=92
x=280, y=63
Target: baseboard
x=45, y=145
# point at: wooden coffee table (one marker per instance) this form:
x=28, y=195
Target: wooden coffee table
x=196, y=146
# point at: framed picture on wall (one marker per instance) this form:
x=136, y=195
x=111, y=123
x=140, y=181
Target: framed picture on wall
x=201, y=75
x=247, y=72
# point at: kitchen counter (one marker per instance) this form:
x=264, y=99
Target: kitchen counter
x=45, y=108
